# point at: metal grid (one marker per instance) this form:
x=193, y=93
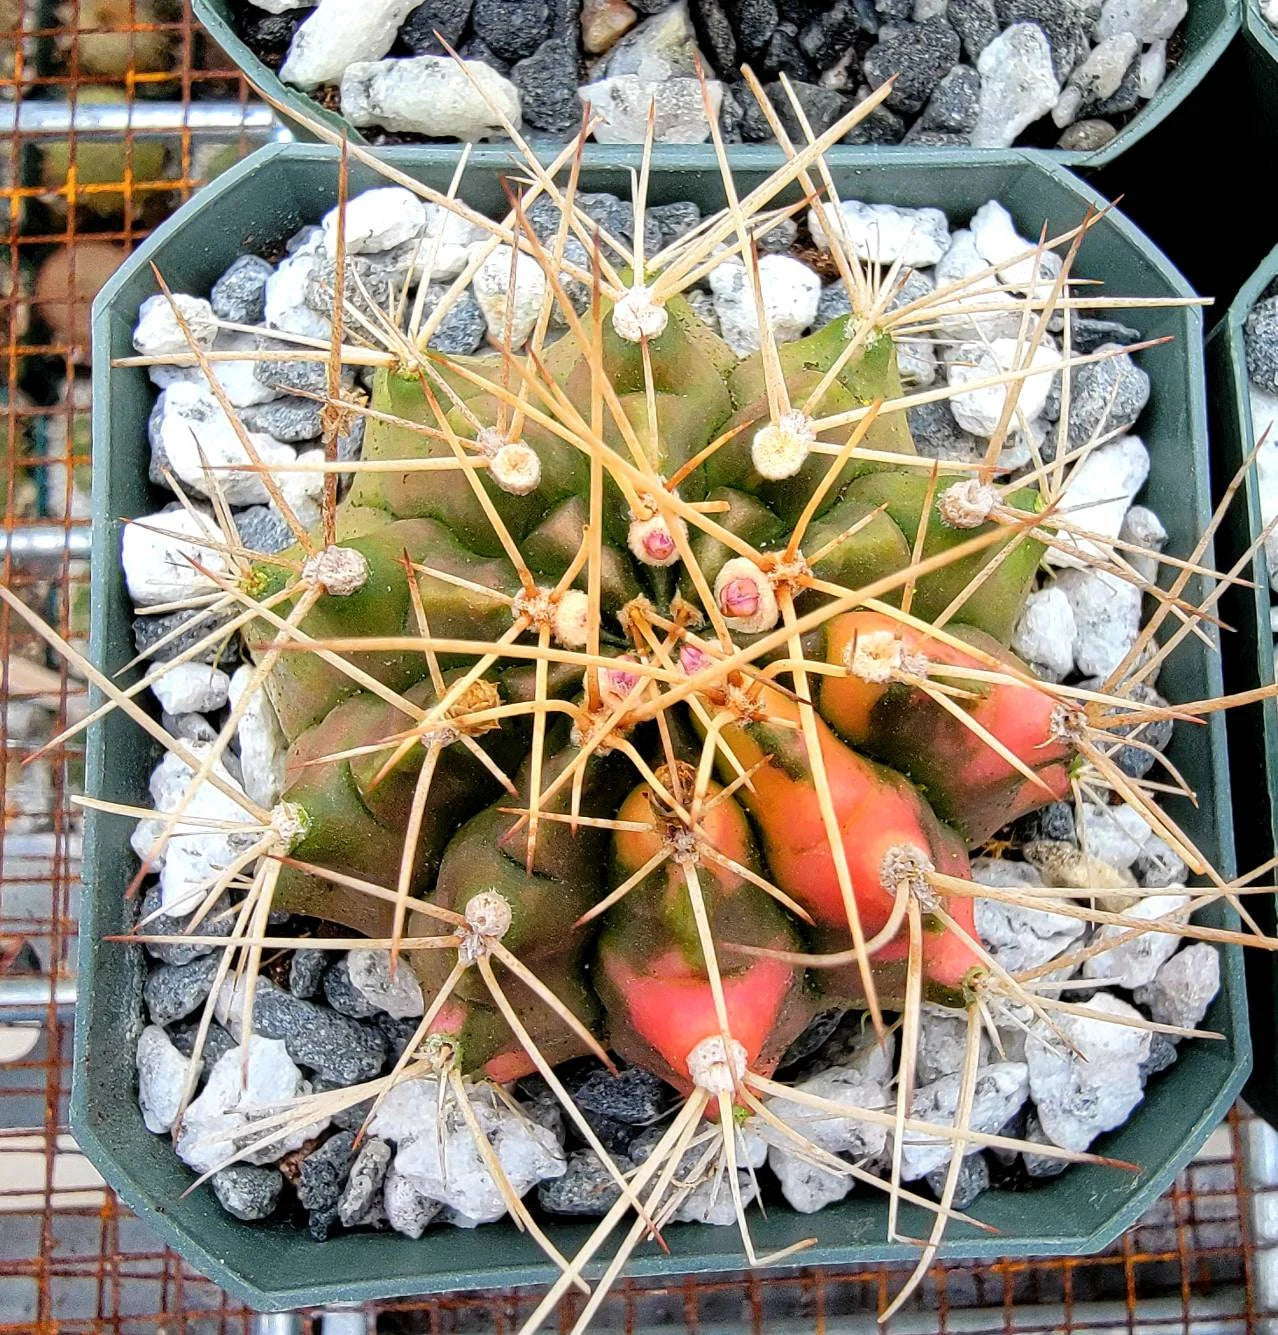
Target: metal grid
x=71, y=1258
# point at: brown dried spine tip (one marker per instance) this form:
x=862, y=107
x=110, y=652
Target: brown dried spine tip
x=781, y=448
x=716, y=1068
x=967, y=504
x=516, y=469
x=652, y=541
x=338, y=571
x=636, y=316
x=745, y=596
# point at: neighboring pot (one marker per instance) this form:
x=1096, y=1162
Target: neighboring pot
x=1249, y=660
x=261, y=202
x=1208, y=29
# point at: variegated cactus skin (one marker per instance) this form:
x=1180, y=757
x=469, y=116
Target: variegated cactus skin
x=902, y=773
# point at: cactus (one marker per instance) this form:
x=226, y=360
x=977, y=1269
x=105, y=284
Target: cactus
x=630, y=554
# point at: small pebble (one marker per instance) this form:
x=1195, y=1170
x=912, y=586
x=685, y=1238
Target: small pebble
x=247, y=1192
x=364, y=1186
x=239, y=296
x=586, y=1188
x=173, y=991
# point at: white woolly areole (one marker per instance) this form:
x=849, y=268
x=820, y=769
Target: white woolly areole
x=488, y=914
x=909, y=865
x=781, y=448
x=290, y=823
x=874, y=657
x=1068, y=723
x=339, y=571
x=515, y=468
x=652, y=542
x=745, y=596
x=636, y=316
x=571, y=621
x=715, y=1068
x=967, y=504
x=490, y=439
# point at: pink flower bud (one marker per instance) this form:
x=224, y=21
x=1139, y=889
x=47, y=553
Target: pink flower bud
x=692, y=660
x=739, y=597
x=659, y=545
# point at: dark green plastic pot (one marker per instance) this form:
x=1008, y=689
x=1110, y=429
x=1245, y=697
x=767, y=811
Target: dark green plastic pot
x=1208, y=28
x=1249, y=663
x=255, y=206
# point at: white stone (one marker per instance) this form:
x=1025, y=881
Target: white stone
x=622, y=103
x=884, y=233
x=441, y=1161
x=1135, y=962
x=1146, y=20
x=238, y=379
x=158, y=333
x=338, y=34
x=262, y=746
x=1096, y=497
x=407, y=1210
x=942, y=1042
x=1017, y=937
x=196, y=854
x=499, y=305
x=1264, y=430
x=1144, y=528
x=1153, y=70
x=280, y=6
x=286, y=305
x=1018, y=261
x=370, y=974
x=444, y=248
x=1106, y=618
x=303, y=491
x=1099, y=76
x=230, y=1103
x=376, y=220
x=960, y=316
x=204, y=449
x=161, y=1079
x=1000, y=1091
x=979, y=410
x=710, y=1201
x=157, y=550
x=1090, y=1082
x=1044, y=635
x=791, y=293
x=1018, y=85
x=1115, y=834
x=1269, y=12
x=1184, y=987
x=430, y=95
x=192, y=688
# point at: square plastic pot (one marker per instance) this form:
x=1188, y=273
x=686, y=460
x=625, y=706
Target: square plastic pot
x=1208, y=28
x=263, y=201
x=1249, y=662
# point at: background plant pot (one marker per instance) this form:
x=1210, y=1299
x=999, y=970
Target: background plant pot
x=256, y=205
x=1249, y=662
x=1208, y=28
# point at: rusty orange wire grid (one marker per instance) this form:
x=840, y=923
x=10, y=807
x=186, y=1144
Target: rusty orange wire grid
x=90, y=162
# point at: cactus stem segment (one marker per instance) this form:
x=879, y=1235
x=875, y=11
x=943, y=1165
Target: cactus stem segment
x=781, y=448
x=967, y=504
x=637, y=315
x=337, y=571
x=717, y=1066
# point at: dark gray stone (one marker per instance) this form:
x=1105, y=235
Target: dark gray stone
x=247, y=1192
x=938, y=435
x=1065, y=24
x=447, y=17
x=976, y=23
x=340, y=992
x=715, y=35
x=541, y=1105
x=916, y=134
x=1126, y=98
x=397, y=1033
x=1013, y=1129
x=290, y=419
x=367, y=283
x=881, y=126
x=633, y=1096
x=292, y=377
x=263, y=529
x=173, y=991
x=587, y=1188
x=240, y=294
x=324, y=1171
x=1054, y=822
x=1261, y=335
x=513, y=28
x=674, y=220
x=187, y=728
x=755, y=21
x=1106, y=396
x=811, y=1039
x=821, y=106
x=364, y=1187
x=306, y=972
x=784, y=55
x=827, y=37
x=779, y=238
x=547, y=83
x=952, y=106
x=1087, y=334
x=477, y=49
x=920, y=55
x=834, y=303
x=1162, y=1054
x=217, y=923
x=462, y=329
x=973, y=1179
x=1041, y=1165
x=217, y=1042
x=334, y=1046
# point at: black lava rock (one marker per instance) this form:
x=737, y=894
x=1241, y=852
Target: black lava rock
x=1261, y=334
x=148, y=631
x=827, y=37
x=291, y=419
x=512, y=28
x=938, y=435
x=264, y=530
x=754, y=22
x=477, y=49
x=822, y=107
x=216, y=923
x=973, y=1179
x=919, y=54
x=632, y=1096
x=976, y=22
x=1054, y=822
x=269, y=35
x=1065, y=24
x=547, y=83
x=292, y=377
x=462, y=329
x=447, y=17
x=217, y=1042
x=334, y=1046
x=784, y=55
x=818, y=1030
x=587, y=1188
x=952, y=106
x=306, y=971
x=1124, y=99
x=674, y=220
x=363, y=1189
x=834, y=303
x=1162, y=1054
x=240, y=294
x=397, y=1033
x=173, y=991
x=323, y=1175
x=881, y=126
x=247, y=1192
x=1088, y=334
x=715, y=35
x=340, y=992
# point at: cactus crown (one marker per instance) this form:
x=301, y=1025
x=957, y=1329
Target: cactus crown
x=643, y=697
